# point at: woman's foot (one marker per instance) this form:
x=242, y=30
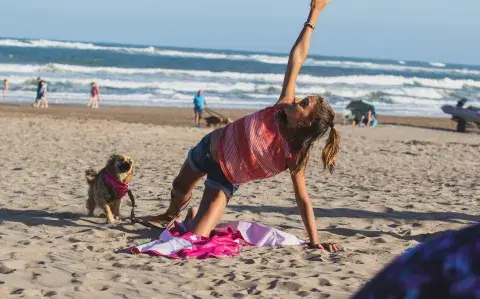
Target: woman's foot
x=162, y=221
x=192, y=212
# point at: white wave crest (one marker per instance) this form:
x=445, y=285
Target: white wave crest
x=270, y=83
x=140, y=50
x=378, y=80
x=187, y=86
x=438, y=64
x=268, y=59
x=146, y=99
x=390, y=67
x=416, y=92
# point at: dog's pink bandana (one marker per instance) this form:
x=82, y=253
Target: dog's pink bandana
x=120, y=188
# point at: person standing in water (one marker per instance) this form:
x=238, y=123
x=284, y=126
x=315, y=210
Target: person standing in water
x=5, y=87
x=94, y=96
x=199, y=104
x=38, y=97
x=43, y=95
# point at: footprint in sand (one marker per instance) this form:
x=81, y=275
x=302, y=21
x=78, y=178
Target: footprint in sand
x=50, y=294
x=10, y=266
x=321, y=295
x=97, y=275
x=324, y=282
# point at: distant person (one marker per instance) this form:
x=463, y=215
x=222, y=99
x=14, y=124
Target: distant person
x=37, y=97
x=94, y=96
x=43, y=95
x=199, y=104
x=461, y=103
x=461, y=123
x=370, y=119
x=5, y=87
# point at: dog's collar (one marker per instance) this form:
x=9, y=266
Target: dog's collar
x=116, y=188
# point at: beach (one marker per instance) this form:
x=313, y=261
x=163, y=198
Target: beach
x=395, y=186
x=177, y=116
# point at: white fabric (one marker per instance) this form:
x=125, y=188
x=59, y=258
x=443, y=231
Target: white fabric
x=166, y=244
x=260, y=235
x=252, y=232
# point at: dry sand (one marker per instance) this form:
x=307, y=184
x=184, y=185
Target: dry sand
x=393, y=186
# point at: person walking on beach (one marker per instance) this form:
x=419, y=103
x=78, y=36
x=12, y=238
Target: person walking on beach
x=5, y=88
x=37, y=97
x=43, y=95
x=259, y=146
x=199, y=104
x=94, y=96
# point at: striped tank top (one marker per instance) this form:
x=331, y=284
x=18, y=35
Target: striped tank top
x=253, y=147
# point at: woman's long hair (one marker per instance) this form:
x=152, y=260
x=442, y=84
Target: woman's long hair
x=304, y=137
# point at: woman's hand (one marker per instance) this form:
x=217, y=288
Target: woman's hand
x=319, y=4
x=331, y=247
x=299, y=52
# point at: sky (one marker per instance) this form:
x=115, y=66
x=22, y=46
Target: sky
x=425, y=30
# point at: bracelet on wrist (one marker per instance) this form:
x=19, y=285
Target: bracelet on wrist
x=309, y=25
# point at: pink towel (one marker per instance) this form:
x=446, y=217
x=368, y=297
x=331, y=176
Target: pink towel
x=224, y=241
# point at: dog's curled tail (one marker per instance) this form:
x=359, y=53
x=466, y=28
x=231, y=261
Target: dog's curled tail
x=90, y=175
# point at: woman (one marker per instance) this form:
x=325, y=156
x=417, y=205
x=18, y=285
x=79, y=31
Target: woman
x=94, y=96
x=259, y=146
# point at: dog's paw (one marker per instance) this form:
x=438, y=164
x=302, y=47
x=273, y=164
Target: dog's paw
x=118, y=220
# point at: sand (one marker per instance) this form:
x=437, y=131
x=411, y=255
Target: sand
x=174, y=116
x=394, y=186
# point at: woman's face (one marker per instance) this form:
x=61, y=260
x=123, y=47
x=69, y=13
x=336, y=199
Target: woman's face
x=299, y=113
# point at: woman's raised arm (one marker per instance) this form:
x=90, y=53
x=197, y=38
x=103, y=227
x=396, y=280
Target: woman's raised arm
x=299, y=52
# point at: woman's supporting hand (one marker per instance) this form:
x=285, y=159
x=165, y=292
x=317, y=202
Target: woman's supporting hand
x=331, y=247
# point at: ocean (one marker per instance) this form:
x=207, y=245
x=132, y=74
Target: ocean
x=165, y=76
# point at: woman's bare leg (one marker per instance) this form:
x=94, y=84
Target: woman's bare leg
x=210, y=211
x=197, y=118
x=181, y=192
x=43, y=103
x=192, y=213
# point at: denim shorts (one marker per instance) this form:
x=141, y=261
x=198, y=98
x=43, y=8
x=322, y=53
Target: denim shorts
x=198, y=110
x=200, y=160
